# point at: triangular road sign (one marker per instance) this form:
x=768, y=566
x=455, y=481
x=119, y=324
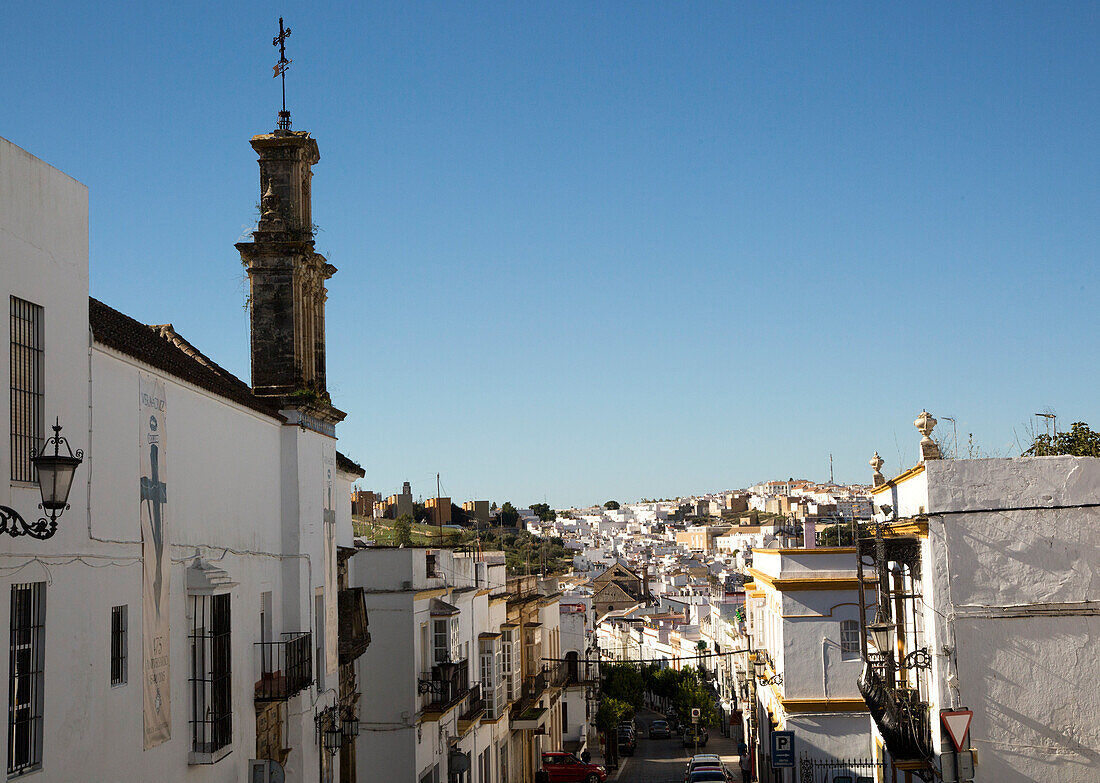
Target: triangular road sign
x=957, y=723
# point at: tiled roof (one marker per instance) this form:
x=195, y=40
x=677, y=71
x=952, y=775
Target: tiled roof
x=349, y=465
x=161, y=348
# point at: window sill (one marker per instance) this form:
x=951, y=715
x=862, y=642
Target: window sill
x=194, y=758
x=25, y=772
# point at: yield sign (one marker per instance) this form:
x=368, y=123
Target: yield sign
x=957, y=723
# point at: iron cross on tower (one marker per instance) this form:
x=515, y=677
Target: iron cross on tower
x=280, y=70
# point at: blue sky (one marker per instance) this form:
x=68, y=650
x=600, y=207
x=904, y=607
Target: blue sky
x=594, y=250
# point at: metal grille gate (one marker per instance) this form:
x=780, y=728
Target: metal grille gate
x=840, y=770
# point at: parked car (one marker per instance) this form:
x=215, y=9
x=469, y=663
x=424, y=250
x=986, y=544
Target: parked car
x=695, y=735
x=627, y=742
x=567, y=768
x=709, y=775
x=701, y=761
x=673, y=722
x=658, y=729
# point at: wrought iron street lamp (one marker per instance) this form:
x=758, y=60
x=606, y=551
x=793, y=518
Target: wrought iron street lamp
x=331, y=730
x=350, y=725
x=55, y=479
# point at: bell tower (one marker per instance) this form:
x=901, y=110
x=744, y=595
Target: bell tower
x=287, y=276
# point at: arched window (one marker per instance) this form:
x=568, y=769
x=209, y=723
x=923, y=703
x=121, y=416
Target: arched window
x=849, y=636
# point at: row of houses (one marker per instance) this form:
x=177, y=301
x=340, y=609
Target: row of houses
x=956, y=641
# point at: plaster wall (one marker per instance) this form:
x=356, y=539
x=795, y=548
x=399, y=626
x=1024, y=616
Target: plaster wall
x=1009, y=571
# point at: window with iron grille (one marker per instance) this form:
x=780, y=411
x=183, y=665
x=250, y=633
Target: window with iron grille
x=26, y=387
x=849, y=636
x=119, y=643
x=25, y=676
x=211, y=677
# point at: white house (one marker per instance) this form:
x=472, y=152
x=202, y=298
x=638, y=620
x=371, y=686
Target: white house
x=183, y=619
x=804, y=619
x=991, y=569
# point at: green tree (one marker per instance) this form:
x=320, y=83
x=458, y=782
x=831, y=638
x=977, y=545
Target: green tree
x=611, y=505
x=544, y=512
x=611, y=713
x=508, y=515
x=402, y=530
x=1080, y=441
x=623, y=681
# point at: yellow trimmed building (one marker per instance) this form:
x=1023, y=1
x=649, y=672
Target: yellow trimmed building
x=803, y=616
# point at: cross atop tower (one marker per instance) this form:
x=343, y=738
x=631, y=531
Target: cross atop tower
x=280, y=70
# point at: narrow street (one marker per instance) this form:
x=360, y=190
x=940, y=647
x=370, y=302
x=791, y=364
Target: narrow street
x=664, y=760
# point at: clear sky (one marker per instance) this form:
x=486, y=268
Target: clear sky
x=595, y=250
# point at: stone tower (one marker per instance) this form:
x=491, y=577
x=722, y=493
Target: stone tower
x=287, y=279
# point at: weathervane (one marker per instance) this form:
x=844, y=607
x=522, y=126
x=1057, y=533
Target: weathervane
x=280, y=70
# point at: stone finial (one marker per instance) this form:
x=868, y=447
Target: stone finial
x=270, y=219
x=928, y=448
x=876, y=462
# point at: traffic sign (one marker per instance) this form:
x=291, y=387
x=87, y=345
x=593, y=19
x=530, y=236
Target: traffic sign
x=957, y=724
x=782, y=748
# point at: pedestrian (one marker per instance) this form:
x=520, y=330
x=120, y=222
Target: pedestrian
x=586, y=757
x=746, y=768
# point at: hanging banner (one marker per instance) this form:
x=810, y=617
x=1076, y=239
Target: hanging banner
x=155, y=560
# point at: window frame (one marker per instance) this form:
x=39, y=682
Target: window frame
x=120, y=644
x=26, y=386
x=849, y=637
x=26, y=651
x=211, y=677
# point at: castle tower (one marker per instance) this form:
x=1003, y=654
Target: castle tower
x=287, y=278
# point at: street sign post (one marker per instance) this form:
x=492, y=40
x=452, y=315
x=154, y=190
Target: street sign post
x=782, y=749
x=957, y=724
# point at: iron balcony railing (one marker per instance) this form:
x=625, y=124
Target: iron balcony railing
x=557, y=673
x=286, y=666
x=447, y=683
x=903, y=720
x=475, y=704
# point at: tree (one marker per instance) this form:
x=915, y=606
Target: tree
x=544, y=512
x=623, y=681
x=402, y=530
x=611, y=505
x=611, y=713
x=508, y=515
x=1080, y=441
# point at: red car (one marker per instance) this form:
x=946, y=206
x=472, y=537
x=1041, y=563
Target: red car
x=567, y=768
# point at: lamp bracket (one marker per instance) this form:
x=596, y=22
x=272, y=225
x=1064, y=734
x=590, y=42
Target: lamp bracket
x=14, y=525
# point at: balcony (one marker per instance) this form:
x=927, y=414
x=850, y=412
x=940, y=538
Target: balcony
x=286, y=666
x=557, y=674
x=447, y=683
x=901, y=717
x=353, y=633
x=475, y=709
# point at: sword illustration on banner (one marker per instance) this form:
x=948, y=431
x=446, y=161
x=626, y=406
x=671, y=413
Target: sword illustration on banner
x=155, y=493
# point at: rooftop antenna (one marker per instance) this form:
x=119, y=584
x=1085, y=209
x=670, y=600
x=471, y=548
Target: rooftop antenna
x=280, y=70
x=955, y=433
x=1052, y=420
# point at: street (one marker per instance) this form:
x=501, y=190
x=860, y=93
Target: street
x=664, y=760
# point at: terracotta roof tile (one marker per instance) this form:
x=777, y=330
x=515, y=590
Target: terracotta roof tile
x=163, y=349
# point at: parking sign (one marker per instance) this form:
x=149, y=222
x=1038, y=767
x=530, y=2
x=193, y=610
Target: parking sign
x=782, y=749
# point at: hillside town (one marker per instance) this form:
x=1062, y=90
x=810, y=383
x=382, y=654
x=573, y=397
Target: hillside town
x=201, y=584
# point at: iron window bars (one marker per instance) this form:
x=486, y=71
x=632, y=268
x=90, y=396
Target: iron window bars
x=27, y=425
x=211, y=676
x=119, y=657
x=26, y=676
